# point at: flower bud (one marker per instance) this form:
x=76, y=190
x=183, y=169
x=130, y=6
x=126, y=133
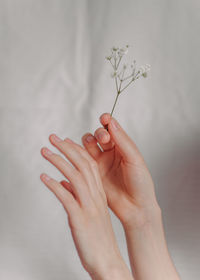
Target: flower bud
x=114, y=49
x=114, y=74
x=144, y=74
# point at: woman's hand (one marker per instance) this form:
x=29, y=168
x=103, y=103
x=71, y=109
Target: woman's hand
x=130, y=193
x=84, y=200
x=126, y=179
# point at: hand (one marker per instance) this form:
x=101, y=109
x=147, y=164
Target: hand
x=130, y=193
x=126, y=179
x=84, y=200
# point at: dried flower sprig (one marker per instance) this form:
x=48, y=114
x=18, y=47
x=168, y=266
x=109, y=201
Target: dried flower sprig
x=115, y=59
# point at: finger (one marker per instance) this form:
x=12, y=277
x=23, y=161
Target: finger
x=90, y=169
x=90, y=143
x=79, y=187
x=67, y=147
x=80, y=158
x=105, y=119
x=104, y=139
x=65, y=197
x=124, y=143
x=102, y=135
x=67, y=186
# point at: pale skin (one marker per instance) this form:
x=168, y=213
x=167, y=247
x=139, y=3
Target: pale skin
x=84, y=200
x=116, y=176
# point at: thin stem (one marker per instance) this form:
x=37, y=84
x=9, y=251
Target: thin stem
x=119, y=61
x=111, y=64
x=114, y=104
x=128, y=77
x=116, y=84
x=115, y=58
x=127, y=85
x=121, y=80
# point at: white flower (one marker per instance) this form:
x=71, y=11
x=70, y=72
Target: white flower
x=114, y=49
x=143, y=70
x=114, y=74
x=144, y=74
x=122, y=82
x=133, y=64
x=147, y=67
x=108, y=57
x=122, y=51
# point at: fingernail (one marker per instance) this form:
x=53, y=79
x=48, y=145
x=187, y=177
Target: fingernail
x=47, y=152
x=45, y=177
x=68, y=140
x=114, y=124
x=56, y=138
x=89, y=138
x=101, y=135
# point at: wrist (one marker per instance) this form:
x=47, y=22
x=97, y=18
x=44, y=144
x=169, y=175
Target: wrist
x=148, y=252
x=145, y=217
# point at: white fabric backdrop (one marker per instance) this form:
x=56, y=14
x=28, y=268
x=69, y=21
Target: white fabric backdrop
x=54, y=78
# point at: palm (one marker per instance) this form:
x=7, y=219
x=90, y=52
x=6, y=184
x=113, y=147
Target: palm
x=112, y=170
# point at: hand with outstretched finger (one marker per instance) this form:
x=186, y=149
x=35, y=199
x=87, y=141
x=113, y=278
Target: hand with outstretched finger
x=83, y=197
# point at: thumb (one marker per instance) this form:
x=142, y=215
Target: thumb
x=127, y=148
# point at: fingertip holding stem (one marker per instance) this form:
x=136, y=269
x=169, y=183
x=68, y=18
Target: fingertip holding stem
x=104, y=116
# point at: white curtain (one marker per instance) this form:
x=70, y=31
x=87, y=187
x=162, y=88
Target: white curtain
x=54, y=78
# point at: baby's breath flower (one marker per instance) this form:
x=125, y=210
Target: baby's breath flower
x=114, y=74
x=144, y=69
x=108, y=57
x=114, y=49
x=115, y=59
x=122, y=51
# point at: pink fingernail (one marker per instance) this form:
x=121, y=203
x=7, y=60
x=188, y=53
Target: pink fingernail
x=45, y=177
x=47, y=152
x=89, y=138
x=114, y=124
x=56, y=138
x=101, y=135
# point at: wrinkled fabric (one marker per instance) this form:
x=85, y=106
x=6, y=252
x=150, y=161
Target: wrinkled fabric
x=54, y=79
